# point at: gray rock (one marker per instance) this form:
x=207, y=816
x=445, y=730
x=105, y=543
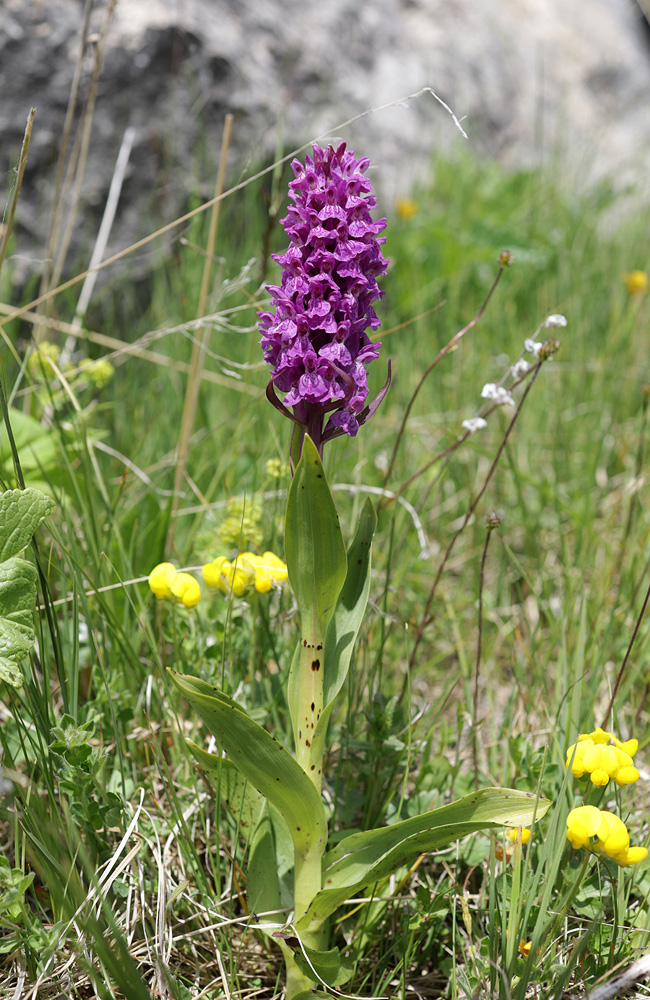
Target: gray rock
x=529, y=78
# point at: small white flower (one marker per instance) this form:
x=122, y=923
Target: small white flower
x=533, y=346
x=555, y=319
x=519, y=369
x=497, y=394
x=474, y=424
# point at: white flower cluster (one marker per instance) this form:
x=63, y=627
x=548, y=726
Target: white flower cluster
x=497, y=394
x=474, y=424
x=533, y=346
x=519, y=369
x=500, y=396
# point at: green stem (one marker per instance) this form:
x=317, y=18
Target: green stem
x=309, y=754
x=307, y=876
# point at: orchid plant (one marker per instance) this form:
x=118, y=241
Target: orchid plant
x=316, y=341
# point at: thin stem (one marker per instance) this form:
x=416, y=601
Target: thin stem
x=634, y=498
x=22, y=162
x=445, y=350
x=626, y=658
x=491, y=524
x=426, y=619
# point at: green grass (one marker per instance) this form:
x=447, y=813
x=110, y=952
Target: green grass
x=139, y=871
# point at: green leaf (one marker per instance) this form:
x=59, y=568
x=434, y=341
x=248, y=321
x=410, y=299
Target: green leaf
x=328, y=965
x=21, y=512
x=262, y=760
x=346, y=621
x=242, y=799
x=10, y=672
x=17, y=599
x=37, y=445
x=263, y=883
x=313, y=543
x=245, y=804
x=364, y=858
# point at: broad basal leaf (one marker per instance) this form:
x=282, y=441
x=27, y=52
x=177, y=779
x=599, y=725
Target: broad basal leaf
x=262, y=760
x=364, y=858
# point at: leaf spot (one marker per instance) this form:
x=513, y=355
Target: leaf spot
x=315, y=664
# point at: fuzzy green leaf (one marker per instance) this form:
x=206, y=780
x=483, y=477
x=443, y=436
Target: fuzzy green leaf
x=261, y=759
x=21, y=512
x=17, y=599
x=364, y=858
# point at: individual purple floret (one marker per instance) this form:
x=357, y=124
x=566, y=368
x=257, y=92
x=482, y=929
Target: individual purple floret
x=316, y=338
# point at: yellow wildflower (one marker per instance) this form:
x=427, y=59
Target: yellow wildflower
x=212, y=573
x=514, y=833
x=161, y=578
x=524, y=948
x=636, y=282
x=246, y=571
x=167, y=583
x=602, y=756
x=612, y=838
x=268, y=569
x=186, y=590
x=406, y=208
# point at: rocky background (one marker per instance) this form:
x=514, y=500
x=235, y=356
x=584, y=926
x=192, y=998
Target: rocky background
x=530, y=79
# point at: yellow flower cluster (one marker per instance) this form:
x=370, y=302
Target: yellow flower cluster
x=612, y=837
x=167, y=583
x=602, y=756
x=636, y=282
x=246, y=571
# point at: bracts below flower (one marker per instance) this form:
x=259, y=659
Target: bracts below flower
x=316, y=338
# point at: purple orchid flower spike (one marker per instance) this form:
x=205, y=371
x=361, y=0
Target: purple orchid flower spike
x=316, y=339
